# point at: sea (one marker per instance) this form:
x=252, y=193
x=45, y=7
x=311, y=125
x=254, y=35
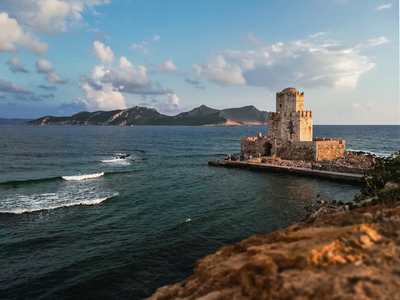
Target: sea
x=78, y=222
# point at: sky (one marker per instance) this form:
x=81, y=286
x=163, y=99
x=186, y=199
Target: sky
x=59, y=57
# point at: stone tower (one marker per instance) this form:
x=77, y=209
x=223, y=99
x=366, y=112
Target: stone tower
x=290, y=122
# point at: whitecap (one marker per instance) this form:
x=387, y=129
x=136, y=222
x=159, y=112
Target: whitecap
x=82, y=177
x=113, y=160
x=20, y=204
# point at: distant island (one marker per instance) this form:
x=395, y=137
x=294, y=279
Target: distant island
x=4, y=121
x=136, y=116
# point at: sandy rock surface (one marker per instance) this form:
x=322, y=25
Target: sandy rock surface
x=353, y=162
x=349, y=255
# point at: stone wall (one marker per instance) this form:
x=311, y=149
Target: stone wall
x=329, y=149
x=306, y=126
x=256, y=147
x=296, y=150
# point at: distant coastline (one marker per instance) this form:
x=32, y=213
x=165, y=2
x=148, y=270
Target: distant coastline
x=137, y=116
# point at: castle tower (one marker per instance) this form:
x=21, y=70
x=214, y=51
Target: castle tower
x=290, y=122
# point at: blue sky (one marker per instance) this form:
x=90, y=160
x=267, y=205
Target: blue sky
x=60, y=57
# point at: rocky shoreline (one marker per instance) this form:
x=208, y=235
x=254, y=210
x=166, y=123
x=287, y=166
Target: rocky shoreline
x=353, y=162
x=347, y=255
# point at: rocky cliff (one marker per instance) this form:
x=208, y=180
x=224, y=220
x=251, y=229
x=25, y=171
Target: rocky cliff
x=201, y=116
x=349, y=255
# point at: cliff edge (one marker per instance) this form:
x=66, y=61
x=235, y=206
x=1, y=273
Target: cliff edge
x=349, y=255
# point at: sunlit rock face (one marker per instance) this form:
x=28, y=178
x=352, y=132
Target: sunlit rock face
x=351, y=255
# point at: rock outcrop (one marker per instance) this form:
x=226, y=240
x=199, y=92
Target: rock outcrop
x=349, y=255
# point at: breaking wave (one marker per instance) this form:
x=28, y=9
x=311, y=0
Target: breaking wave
x=20, y=204
x=82, y=177
x=113, y=160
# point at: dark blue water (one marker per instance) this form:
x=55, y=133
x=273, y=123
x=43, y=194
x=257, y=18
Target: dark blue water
x=129, y=234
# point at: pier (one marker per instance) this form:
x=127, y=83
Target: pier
x=322, y=174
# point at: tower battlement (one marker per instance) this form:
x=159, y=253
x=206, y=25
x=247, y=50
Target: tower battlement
x=290, y=122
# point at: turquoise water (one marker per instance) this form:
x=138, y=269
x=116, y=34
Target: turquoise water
x=125, y=233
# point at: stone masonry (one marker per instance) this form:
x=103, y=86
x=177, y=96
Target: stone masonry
x=290, y=134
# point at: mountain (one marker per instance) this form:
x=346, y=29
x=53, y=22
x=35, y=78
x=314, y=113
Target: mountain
x=201, y=116
x=13, y=121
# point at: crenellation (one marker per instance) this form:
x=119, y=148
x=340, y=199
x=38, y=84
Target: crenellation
x=290, y=133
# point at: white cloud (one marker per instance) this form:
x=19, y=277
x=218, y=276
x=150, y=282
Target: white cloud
x=167, y=67
x=46, y=67
x=99, y=35
x=14, y=34
x=13, y=87
x=385, y=6
x=15, y=66
x=141, y=47
x=304, y=63
x=156, y=37
x=253, y=40
x=362, y=107
x=170, y=105
x=103, y=53
x=125, y=78
x=105, y=99
x=219, y=71
x=318, y=34
x=49, y=16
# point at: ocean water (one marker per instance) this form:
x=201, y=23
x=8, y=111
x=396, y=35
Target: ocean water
x=76, y=223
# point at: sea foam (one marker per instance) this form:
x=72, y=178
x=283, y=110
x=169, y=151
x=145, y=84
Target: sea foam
x=82, y=177
x=48, y=201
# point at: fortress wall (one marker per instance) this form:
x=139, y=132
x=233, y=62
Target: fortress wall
x=306, y=126
x=290, y=126
x=330, y=149
x=254, y=146
x=274, y=124
x=297, y=150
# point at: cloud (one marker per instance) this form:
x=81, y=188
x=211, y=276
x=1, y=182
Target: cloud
x=362, y=107
x=50, y=16
x=156, y=37
x=23, y=97
x=302, y=63
x=196, y=83
x=318, y=34
x=13, y=87
x=2, y=96
x=385, y=6
x=105, y=99
x=15, y=66
x=44, y=66
x=45, y=96
x=167, y=67
x=170, y=105
x=253, y=40
x=99, y=35
x=47, y=87
x=219, y=71
x=35, y=98
x=15, y=35
x=141, y=47
x=103, y=53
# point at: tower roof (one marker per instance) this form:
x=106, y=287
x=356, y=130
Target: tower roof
x=290, y=89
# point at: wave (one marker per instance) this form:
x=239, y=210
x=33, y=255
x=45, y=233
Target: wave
x=39, y=180
x=47, y=201
x=113, y=160
x=82, y=177
x=380, y=153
